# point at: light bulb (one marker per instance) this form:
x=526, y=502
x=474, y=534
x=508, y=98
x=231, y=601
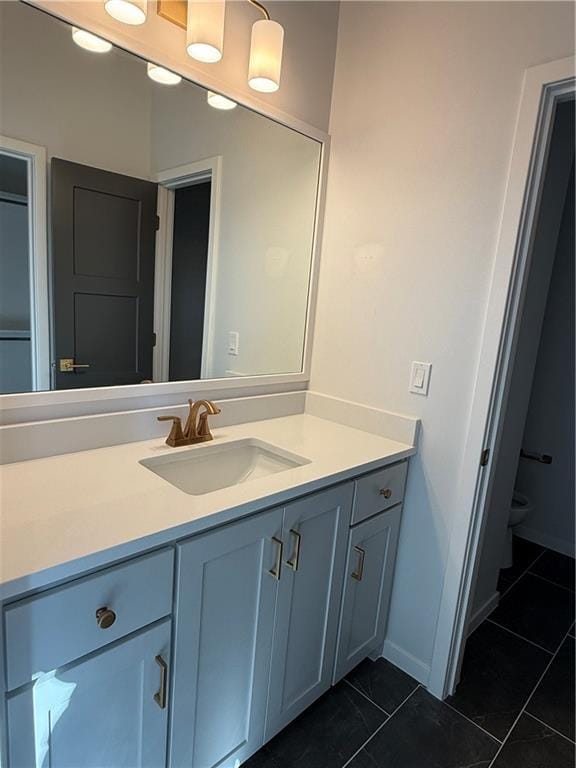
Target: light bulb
x=265, y=56
x=205, y=30
x=90, y=42
x=220, y=102
x=161, y=75
x=127, y=11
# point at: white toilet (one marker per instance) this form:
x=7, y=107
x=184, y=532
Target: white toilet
x=520, y=507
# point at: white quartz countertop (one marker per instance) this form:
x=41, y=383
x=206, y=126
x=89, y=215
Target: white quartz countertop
x=64, y=515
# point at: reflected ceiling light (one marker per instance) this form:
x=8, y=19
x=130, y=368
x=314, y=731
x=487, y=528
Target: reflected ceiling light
x=90, y=42
x=205, y=30
x=220, y=102
x=265, y=53
x=127, y=11
x=161, y=75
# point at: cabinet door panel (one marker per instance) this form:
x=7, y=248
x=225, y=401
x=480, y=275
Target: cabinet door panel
x=367, y=587
x=97, y=713
x=224, y=622
x=308, y=603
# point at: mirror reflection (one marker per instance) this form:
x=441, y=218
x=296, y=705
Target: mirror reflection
x=177, y=240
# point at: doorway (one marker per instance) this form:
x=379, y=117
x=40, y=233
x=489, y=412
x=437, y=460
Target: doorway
x=187, y=270
x=517, y=674
x=15, y=334
x=548, y=299
x=24, y=318
x=545, y=87
x=191, y=228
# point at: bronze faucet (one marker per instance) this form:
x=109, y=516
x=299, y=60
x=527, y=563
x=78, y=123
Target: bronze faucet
x=196, y=429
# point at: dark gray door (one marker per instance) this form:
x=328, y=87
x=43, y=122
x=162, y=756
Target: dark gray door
x=189, y=261
x=103, y=250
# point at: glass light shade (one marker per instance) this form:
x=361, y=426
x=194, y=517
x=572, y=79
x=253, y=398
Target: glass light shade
x=220, y=102
x=205, y=30
x=265, y=56
x=90, y=42
x=161, y=75
x=127, y=11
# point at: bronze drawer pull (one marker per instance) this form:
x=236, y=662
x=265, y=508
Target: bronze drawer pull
x=105, y=617
x=359, y=572
x=277, y=570
x=160, y=696
x=294, y=562
x=386, y=492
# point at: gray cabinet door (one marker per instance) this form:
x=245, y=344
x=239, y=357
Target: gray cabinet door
x=97, y=713
x=314, y=535
x=367, y=587
x=224, y=621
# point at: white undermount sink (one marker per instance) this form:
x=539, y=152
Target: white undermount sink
x=207, y=468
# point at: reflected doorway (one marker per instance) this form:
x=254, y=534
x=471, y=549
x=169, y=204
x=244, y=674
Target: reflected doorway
x=24, y=322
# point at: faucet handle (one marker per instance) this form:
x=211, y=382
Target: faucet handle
x=176, y=437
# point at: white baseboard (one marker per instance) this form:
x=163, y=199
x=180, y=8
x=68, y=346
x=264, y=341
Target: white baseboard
x=483, y=612
x=394, y=426
x=406, y=662
x=550, y=542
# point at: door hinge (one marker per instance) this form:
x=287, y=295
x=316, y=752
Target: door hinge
x=157, y=223
x=484, y=457
x=153, y=339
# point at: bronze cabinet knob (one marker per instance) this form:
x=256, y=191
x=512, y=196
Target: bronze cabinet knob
x=105, y=617
x=386, y=492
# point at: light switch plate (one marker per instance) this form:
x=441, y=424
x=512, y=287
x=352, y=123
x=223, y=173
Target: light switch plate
x=420, y=378
x=233, y=342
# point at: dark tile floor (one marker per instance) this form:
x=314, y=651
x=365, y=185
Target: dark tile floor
x=514, y=707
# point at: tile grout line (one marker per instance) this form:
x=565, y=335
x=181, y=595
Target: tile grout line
x=520, y=637
x=457, y=711
x=549, y=581
x=528, y=700
x=366, y=697
x=503, y=594
x=380, y=727
x=529, y=714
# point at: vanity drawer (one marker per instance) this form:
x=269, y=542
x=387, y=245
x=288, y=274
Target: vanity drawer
x=378, y=491
x=45, y=632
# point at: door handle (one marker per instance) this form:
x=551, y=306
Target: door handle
x=67, y=365
x=359, y=572
x=277, y=569
x=295, y=560
x=160, y=695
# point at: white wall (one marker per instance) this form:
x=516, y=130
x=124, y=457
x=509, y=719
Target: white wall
x=78, y=105
x=424, y=106
x=266, y=225
x=550, y=421
x=309, y=48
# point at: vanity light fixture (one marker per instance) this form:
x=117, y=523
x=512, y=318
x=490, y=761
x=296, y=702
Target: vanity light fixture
x=218, y=101
x=162, y=75
x=265, y=53
x=131, y=12
x=205, y=30
x=90, y=42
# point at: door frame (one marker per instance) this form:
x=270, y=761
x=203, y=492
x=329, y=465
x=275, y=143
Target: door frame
x=544, y=86
x=209, y=169
x=35, y=158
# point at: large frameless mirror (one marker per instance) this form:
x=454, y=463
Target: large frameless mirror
x=177, y=240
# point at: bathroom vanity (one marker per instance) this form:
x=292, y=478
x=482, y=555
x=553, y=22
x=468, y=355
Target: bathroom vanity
x=169, y=606
x=151, y=624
